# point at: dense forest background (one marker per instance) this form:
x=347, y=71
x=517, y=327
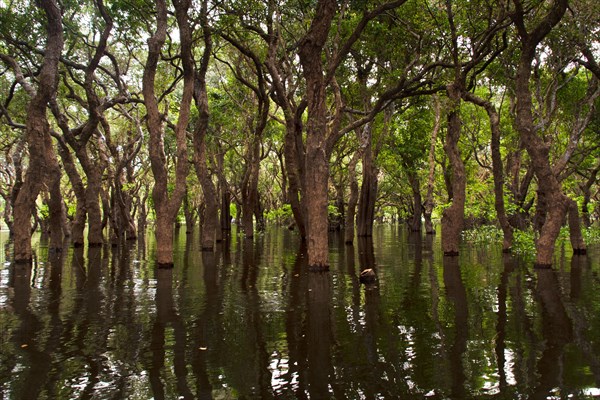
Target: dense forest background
x=318, y=115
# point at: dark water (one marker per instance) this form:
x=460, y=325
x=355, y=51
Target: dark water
x=249, y=322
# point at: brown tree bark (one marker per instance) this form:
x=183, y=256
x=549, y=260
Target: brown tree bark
x=428, y=206
x=415, y=185
x=37, y=131
x=78, y=226
x=497, y=168
x=352, y=200
x=293, y=147
x=577, y=242
x=55, y=202
x=123, y=179
x=587, y=196
x=189, y=213
x=92, y=201
x=316, y=163
x=368, y=189
x=225, y=211
x=250, y=186
x=308, y=162
x=79, y=138
x=256, y=125
x=453, y=216
x=13, y=173
x=166, y=206
x=211, y=213
x=548, y=185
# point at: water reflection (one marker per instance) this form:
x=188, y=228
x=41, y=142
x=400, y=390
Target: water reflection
x=556, y=332
x=456, y=292
x=249, y=321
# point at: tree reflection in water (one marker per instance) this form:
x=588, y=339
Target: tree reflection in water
x=249, y=321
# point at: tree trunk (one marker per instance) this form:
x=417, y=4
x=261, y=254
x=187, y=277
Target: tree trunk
x=294, y=152
x=340, y=206
x=368, y=189
x=225, y=210
x=65, y=222
x=587, y=196
x=497, y=169
x=211, y=212
x=549, y=188
x=142, y=210
x=250, y=190
x=352, y=200
x=317, y=172
x=316, y=162
x=415, y=223
x=577, y=242
x=225, y=213
x=453, y=216
x=210, y=220
x=55, y=203
x=79, y=219
x=167, y=206
x=94, y=212
x=428, y=206
x=37, y=131
x=189, y=213
x=164, y=238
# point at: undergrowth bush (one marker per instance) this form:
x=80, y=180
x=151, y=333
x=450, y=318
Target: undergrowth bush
x=523, y=241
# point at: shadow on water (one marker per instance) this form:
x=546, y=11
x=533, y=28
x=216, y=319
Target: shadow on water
x=248, y=321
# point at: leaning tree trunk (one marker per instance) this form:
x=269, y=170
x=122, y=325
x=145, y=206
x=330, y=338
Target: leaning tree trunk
x=549, y=188
x=37, y=131
x=453, y=216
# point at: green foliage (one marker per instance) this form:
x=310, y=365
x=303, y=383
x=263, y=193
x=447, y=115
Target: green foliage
x=333, y=212
x=281, y=215
x=524, y=244
x=523, y=241
x=484, y=234
x=44, y=211
x=591, y=235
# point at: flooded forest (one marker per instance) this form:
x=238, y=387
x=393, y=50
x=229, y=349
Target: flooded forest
x=221, y=199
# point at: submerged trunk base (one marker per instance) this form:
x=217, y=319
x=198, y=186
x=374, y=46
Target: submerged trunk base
x=23, y=261
x=451, y=253
x=318, y=268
